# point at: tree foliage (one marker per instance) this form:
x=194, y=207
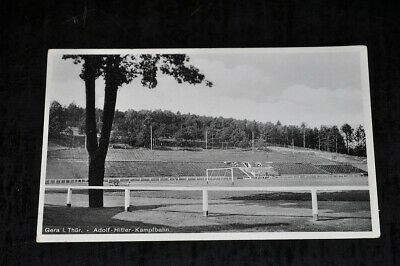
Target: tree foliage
x=348, y=132
x=58, y=117
x=122, y=69
x=188, y=130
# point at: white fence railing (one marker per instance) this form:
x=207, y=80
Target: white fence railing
x=312, y=189
x=187, y=178
x=122, y=179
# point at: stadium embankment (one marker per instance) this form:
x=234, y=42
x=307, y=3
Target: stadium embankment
x=73, y=164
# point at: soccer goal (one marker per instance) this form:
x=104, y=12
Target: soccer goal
x=220, y=174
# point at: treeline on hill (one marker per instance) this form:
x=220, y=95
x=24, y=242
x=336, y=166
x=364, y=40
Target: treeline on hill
x=171, y=129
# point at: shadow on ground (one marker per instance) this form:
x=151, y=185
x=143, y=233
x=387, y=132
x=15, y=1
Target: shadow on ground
x=218, y=221
x=322, y=196
x=103, y=217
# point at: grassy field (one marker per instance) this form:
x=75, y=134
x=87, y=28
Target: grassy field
x=229, y=211
x=247, y=211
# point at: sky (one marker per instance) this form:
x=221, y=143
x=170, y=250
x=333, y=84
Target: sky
x=321, y=88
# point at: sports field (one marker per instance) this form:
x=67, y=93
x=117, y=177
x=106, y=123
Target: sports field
x=181, y=211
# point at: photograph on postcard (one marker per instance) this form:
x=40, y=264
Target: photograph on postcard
x=207, y=144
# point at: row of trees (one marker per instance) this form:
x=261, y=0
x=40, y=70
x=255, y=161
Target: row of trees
x=62, y=118
x=133, y=128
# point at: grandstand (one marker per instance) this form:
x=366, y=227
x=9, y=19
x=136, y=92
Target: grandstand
x=259, y=171
x=341, y=169
x=158, y=168
x=296, y=168
x=73, y=164
x=237, y=155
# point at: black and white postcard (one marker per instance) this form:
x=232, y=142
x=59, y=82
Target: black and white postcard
x=207, y=144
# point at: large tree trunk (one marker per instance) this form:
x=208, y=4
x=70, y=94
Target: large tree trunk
x=96, y=178
x=96, y=166
x=98, y=150
x=91, y=130
x=110, y=98
x=97, y=161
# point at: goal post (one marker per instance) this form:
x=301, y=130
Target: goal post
x=220, y=173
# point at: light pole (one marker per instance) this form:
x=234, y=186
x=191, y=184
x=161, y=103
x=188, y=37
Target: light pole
x=151, y=137
x=252, y=140
x=206, y=139
x=336, y=141
x=293, y=144
x=212, y=140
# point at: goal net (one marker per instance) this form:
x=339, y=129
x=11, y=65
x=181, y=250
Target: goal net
x=220, y=174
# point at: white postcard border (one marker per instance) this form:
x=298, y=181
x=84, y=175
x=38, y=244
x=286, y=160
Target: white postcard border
x=375, y=233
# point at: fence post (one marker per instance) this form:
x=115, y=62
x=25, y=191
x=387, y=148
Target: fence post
x=69, y=194
x=314, y=204
x=207, y=178
x=233, y=182
x=127, y=198
x=205, y=202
